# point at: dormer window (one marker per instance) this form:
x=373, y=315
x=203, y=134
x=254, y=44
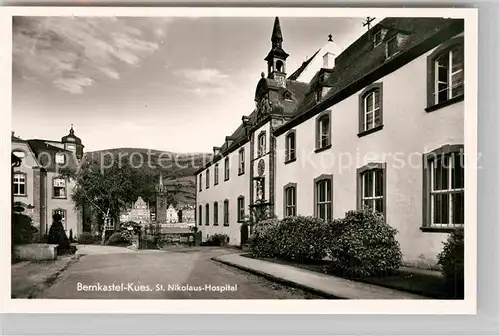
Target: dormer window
x=392, y=47
x=377, y=38
x=287, y=95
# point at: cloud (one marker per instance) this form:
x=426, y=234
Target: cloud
x=205, y=81
x=73, y=53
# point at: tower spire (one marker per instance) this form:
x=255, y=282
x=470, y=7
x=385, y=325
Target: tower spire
x=277, y=36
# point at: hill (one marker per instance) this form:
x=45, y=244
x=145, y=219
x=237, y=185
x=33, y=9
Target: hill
x=177, y=168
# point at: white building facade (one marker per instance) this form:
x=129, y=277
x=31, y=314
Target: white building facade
x=381, y=126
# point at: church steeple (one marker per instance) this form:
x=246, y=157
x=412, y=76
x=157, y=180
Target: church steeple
x=276, y=59
x=277, y=37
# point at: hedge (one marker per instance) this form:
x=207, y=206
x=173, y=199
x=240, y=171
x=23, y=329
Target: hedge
x=451, y=260
x=362, y=244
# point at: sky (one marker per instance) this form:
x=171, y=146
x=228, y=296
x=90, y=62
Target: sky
x=174, y=84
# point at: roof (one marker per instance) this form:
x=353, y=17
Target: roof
x=71, y=137
x=360, y=60
x=46, y=154
x=304, y=65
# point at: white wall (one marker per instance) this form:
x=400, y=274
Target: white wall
x=230, y=190
x=408, y=130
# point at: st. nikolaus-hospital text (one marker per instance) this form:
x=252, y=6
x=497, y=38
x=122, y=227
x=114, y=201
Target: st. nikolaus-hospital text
x=136, y=287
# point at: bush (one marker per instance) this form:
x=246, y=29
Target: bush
x=264, y=237
x=118, y=239
x=22, y=229
x=301, y=238
x=362, y=244
x=451, y=260
x=87, y=238
x=217, y=239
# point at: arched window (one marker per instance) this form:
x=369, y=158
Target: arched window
x=323, y=195
x=445, y=72
x=370, y=109
x=290, y=146
x=200, y=220
x=323, y=131
x=261, y=149
x=216, y=213
x=279, y=66
x=207, y=214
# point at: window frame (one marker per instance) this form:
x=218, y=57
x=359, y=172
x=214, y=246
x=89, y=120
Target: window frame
x=59, y=155
x=216, y=174
x=379, y=32
x=25, y=183
x=290, y=153
x=65, y=188
x=427, y=179
x=200, y=215
x=323, y=115
x=241, y=161
x=261, y=144
x=216, y=213
x=227, y=170
x=375, y=87
x=226, y=212
x=371, y=167
x=394, y=38
x=317, y=180
x=241, y=210
x=293, y=187
x=444, y=48
x=200, y=182
x=207, y=178
x=207, y=214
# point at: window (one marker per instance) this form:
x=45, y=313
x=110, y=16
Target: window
x=377, y=38
x=62, y=213
x=290, y=146
x=241, y=161
x=445, y=74
x=207, y=214
x=226, y=213
x=200, y=220
x=241, y=209
x=444, y=188
x=323, y=131
x=207, y=177
x=19, y=184
x=226, y=169
x=19, y=153
x=59, y=187
x=216, y=174
x=261, y=144
x=216, y=213
x=370, y=109
x=392, y=47
x=199, y=183
x=371, y=187
x=290, y=199
x=70, y=147
x=323, y=197
x=60, y=158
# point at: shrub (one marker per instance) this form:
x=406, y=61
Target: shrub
x=362, y=244
x=264, y=237
x=22, y=229
x=117, y=239
x=87, y=238
x=451, y=260
x=217, y=239
x=301, y=238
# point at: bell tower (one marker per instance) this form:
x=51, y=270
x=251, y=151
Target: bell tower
x=276, y=59
x=161, y=201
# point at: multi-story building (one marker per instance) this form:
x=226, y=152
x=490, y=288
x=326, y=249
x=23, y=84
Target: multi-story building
x=380, y=124
x=36, y=183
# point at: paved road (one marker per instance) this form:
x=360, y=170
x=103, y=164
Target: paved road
x=159, y=273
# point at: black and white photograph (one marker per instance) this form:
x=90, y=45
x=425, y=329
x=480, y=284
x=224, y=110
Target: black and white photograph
x=229, y=155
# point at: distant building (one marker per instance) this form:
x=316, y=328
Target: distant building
x=172, y=215
x=139, y=212
x=36, y=185
x=187, y=214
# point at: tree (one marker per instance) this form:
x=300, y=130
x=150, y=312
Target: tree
x=107, y=188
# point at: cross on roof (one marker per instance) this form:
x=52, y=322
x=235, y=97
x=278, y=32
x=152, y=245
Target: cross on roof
x=368, y=21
